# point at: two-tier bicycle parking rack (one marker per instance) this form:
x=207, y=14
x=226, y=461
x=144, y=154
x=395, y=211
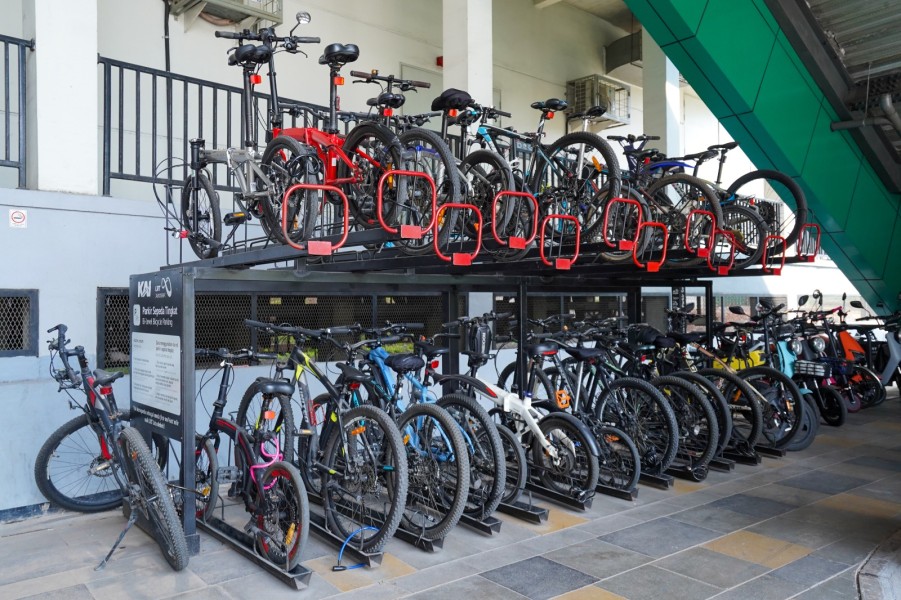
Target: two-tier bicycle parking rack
x=353, y=262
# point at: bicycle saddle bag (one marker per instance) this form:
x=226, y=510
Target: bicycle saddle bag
x=250, y=53
x=339, y=54
x=452, y=99
x=404, y=363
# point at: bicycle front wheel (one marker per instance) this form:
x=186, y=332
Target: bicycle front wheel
x=366, y=478
x=768, y=190
x=671, y=199
x=619, y=462
x=149, y=495
x=784, y=408
x=200, y=215
x=567, y=465
x=373, y=150
x=287, y=162
x=282, y=515
x=256, y=403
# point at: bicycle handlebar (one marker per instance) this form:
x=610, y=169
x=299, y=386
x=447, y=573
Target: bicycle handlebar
x=403, y=83
x=266, y=35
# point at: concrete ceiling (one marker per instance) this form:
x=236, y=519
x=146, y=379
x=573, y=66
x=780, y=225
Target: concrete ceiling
x=614, y=12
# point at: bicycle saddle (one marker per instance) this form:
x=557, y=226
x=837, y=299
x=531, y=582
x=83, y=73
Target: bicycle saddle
x=387, y=99
x=662, y=341
x=275, y=387
x=430, y=350
x=248, y=53
x=553, y=104
x=102, y=378
x=592, y=113
x=404, y=363
x=728, y=146
x=583, y=354
x=339, y=54
x=687, y=338
x=452, y=99
x=352, y=373
x=543, y=349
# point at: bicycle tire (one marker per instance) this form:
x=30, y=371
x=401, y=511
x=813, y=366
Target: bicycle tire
x=517, y=471
x=254, y=404
x=671, y=199
x=808, y=429
x=309, y=451
x=698, y=428
x=542, y=387
x=287, y=162
x=585, y=193
x=783, y=412
x=206, y=483
x=717, y=402
x=599, y=235
x=789, y=190
x=151, y=497
x=385, y=482
x=205, y=228
x=487, y=464
x=638, y=408
x=372, y=150
x=619, y=463
x=438, y=463
x=866, y=384
x=426, y=152
x=281, y=531
x=574, y=472
x=749, y=230
x=745, y=410
x=84, y=481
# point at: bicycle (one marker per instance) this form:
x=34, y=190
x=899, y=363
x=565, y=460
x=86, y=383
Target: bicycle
x=261, y=178
x=351, y=458
x=271, y=488
x=121, y=454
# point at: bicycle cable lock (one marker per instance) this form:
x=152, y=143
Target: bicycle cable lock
x=339, y=566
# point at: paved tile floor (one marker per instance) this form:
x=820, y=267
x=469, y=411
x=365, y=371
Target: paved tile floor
x=795, y=527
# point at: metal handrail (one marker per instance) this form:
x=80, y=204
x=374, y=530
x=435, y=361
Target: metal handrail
x=17, y=131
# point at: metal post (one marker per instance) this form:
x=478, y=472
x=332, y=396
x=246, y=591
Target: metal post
x=711, y=306
x=451, y=313
x=188, y=408
x=107, y=125
x=22, y=132
x=523, y=317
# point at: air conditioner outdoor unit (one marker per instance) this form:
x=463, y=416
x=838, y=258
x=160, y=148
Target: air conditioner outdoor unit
x=245, y=13
x=594, y=90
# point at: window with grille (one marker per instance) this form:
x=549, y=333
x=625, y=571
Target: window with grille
x=18, y=322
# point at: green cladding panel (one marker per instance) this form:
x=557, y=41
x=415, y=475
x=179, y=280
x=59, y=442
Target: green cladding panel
x=741, y=64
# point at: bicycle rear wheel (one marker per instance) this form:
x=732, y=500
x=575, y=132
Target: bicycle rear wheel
x=619, y=462
x=373, y=150
x=74, y=468
x=698, y=429
x=365, y=484
x=200, y=215
x=574, y=470
x=749, y=230
x=671, y=199
x=438, y=463
x=149, y=495
x=759, y=187
x=282, y=515
x=745, y=409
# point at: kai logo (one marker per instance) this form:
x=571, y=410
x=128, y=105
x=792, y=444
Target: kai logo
x=143, y=289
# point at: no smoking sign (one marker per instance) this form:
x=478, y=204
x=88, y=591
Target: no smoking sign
x=18, y=218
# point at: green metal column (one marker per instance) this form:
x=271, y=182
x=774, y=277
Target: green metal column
x=738, y=60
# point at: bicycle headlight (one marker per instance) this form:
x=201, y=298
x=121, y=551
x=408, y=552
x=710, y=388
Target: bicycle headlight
x=796, y=347
x=818, y=344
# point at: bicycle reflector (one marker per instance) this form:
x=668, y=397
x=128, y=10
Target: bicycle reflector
x=698, y=226
x=774, y=250
x=269, y=415
x=809, y=242
x=515, y=240
x=622, y=218
x=453, y=112
x=256, y=79
x=339, y=80
x=550, y=114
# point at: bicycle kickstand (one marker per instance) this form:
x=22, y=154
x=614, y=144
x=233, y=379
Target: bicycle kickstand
x=132, y=518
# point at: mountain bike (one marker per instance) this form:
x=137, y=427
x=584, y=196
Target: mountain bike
x=351, y=457
x=270, y=487
x=121, y=456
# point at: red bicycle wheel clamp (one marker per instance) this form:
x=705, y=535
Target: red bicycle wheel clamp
x=560, y=263
x=314, y=247
x=774, y=250
x=407, y=232
x=651, y=266
x=615, y=234
x=460, y=259
x=515, y=242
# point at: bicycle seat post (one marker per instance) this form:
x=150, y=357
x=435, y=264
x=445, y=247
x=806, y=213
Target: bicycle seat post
x=334, y=100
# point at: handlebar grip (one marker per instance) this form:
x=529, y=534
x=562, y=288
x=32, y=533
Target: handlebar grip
x=339, y=330
x=422, y=84
x=362, y=74
x=651, y=137
x=258, y=324
x=502, y=316
x=229, y=35
x=62, y=329
x=304, y=39
x=503, y=113
x=390, y=339
x=409, y=325
x=454, y=323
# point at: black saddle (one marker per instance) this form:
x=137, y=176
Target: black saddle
x=339, y=54
x=687, y=338
x=452, y=99
x=249, y=53
x=405, y=363
x=592, y=113
x=543, y=349
x=103, y=378
x=583, y=354
x=387, y=99
x=430, y=350
x=352, y=373
x=552, y=104
x=662, y=341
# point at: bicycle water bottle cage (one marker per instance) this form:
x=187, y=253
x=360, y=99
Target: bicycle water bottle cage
x=452, y=99
x=809, y=242
x=387, y=100
x=336, y=55
x=722, y=252
x=774, y=250
x=698, y=226
x=622, y=217
x=248, y=53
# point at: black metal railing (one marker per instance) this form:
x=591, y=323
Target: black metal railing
x=13, y=107
x=149, y=116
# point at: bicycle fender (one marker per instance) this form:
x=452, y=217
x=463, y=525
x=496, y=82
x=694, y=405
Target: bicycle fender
x=583, y=429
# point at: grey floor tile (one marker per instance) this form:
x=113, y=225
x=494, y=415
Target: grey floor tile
x=608, y=524
x=218, y=592
x=798, y=532
x=598, y=559
x=717, y=519
x=850, y=550
x=843, y=587
x=809, y=570
x=471, y=587
x=259, y=584
x=539, y=578
x=766, y=587
x=76, y=592
x=711, y=567
x=647, y=583
x=824, y=482
x=753, y=505
x=165, y=582
x=787, y=495
x=884, y=489
x=660, y=537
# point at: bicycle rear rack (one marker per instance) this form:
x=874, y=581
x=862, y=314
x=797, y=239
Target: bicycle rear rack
x=462, y=259
x=316, y=247
x=722, y=252
x=774, y=251
x=560, y=263
x=809, y=242
x=515, y=242
x=698, y=227
x=627, y=215
x=408, y=232
x=654, y=246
